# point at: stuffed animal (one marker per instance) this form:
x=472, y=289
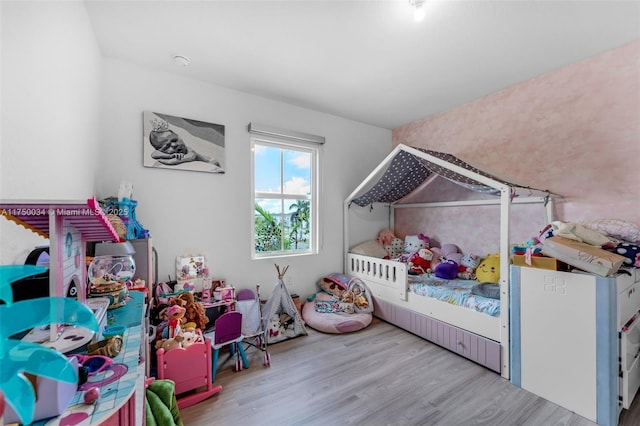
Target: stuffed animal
x=489, y=269
x=580, y=233
x=274, y=325
x=447, y=269
x=195, y=311
x=189, y=338
x=420, y=262
x=413, y=243
x=451, y=252
x=392, y=244
x=385, y=237
x=170, y=343
x=395, y=248
x=437, y=257
x=469, y=262
x=285, y=320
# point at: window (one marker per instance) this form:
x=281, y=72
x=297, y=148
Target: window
x=285, y=195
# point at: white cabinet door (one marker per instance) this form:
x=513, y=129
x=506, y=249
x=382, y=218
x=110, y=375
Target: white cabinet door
x=558, y=338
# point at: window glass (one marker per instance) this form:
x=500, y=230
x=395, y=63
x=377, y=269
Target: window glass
x=284, y=197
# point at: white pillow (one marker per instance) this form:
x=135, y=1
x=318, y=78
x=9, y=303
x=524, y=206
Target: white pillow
x=371, y=249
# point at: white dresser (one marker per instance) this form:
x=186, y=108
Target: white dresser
x=575, y=339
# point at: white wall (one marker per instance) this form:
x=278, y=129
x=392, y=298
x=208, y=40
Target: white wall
x=51, y=68
x=211, y=214
x=72, y=128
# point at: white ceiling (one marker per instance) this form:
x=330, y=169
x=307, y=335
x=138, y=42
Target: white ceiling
x=367, y=61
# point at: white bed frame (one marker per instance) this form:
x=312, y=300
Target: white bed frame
x=460, y=329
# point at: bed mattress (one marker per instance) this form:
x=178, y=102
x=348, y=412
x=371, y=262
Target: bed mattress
x=455, y=292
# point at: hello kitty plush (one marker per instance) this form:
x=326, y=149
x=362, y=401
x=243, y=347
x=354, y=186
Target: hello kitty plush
x=469, y=262
x=412, y=243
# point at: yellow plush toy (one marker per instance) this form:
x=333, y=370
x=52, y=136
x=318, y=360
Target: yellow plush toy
x=489, y=269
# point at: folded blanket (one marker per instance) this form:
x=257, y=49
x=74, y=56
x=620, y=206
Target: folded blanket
x=490, y=290
x=161, y=404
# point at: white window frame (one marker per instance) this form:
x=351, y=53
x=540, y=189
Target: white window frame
x=296, y=141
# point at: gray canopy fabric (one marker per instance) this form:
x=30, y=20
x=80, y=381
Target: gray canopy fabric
x=407, y=171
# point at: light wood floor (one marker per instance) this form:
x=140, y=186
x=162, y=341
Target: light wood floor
x=378, y=376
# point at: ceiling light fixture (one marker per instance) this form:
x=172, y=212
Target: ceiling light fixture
x=419, y=12
x=183, y=61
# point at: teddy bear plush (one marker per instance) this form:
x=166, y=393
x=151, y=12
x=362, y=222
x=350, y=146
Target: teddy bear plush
x=170, y=343
x=420, y=262
x=194, y=311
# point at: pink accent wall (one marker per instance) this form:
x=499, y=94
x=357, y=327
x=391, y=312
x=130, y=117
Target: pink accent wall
x=574, y=131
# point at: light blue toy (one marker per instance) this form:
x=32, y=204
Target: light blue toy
x=17, y=356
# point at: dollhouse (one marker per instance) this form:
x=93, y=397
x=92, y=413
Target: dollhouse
x=69, y=225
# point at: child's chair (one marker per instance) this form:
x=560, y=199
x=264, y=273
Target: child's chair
x=228, y=332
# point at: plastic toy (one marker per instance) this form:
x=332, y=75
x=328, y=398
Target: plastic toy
x=68, y=228
x=91, y=395
x=175, y=313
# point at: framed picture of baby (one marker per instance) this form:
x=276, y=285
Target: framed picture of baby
x=182, y=143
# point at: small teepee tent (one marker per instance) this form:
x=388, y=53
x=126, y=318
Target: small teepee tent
x=280, y=314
